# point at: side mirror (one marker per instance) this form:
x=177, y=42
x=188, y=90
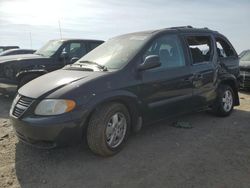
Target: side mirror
x=64, y=55
x=73, y=60
x=150, y=62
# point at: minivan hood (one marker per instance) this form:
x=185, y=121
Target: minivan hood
x=4, y=59
x=53, y=81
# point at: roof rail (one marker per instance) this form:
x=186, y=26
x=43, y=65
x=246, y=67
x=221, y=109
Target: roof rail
x=187, y=27
x=182, y=27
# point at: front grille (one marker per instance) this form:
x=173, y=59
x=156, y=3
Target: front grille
x=1, y=71
x=21, y=104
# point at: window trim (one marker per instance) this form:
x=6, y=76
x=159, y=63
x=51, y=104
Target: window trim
x=68, y=43
x=177, y=35
x=228, y=43
x=185, y=35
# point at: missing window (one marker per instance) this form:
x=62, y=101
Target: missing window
x=224, y=50
x=200, y=48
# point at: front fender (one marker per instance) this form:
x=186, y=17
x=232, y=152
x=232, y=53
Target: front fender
x=120, y=95
x=32, y=71
x=129, y=99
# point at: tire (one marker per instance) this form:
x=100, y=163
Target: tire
x=27, y=78
x=108, y=129
x=224, y=103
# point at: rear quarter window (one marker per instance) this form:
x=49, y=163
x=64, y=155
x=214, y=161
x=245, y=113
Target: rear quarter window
x=224, y=49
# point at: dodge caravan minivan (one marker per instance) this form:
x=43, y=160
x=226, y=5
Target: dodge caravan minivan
x=128, y=81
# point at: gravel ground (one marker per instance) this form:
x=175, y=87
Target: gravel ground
x=214, y=153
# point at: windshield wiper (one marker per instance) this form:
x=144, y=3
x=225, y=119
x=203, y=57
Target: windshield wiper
x=77, y=67
x=39, y=54
x=104, y=68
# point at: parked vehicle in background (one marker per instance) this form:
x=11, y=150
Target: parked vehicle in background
x=17, y=70
x=243, y=53
x=17, y=52
x=245, y=70
x=3, y=48
x=130, y=79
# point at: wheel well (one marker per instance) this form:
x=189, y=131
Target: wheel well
x=129, y=103
x=132, y=109
x=234, y=86
x=19, y=77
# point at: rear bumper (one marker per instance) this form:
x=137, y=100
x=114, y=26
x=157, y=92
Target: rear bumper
x=7, y=86
x=48, y=132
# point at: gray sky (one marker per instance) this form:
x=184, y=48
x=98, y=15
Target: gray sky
x=103, y=19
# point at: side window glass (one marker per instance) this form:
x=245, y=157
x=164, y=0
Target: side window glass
x=200, y=48
x=169, y=50
x=224, y=49
x=75, y=49
x=93, y=45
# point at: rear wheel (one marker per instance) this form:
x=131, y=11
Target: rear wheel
x=224, y=103
x=108, y=129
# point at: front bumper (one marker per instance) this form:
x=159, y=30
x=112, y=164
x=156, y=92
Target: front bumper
x=7, y=86
x=245, y=79
x=48, y=132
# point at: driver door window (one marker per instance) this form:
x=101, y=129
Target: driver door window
x=169, y=50
x=75, y=49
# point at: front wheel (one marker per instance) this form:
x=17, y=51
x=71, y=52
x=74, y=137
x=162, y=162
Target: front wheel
x=108, y=129
x=224, y=103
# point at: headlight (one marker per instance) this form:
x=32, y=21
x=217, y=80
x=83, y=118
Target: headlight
x=49, y=107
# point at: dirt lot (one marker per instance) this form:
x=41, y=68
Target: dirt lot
x=214, y=153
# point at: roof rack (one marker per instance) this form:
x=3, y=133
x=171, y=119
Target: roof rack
x=187, y=27
x=182, y=27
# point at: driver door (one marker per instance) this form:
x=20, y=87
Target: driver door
x=167, y=90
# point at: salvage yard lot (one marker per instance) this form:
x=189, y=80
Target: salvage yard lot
x=214, y=153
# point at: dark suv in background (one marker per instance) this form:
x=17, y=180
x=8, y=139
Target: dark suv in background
x=245, y=70
x=4, y=48
x=129, y=80
x=17, y=52
x=17, y=70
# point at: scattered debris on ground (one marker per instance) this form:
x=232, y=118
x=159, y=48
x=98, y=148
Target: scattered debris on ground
x=182, y=124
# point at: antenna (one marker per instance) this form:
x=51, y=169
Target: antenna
x=59, y=23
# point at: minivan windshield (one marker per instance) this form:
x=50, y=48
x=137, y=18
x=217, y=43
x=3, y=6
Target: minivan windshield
x=116, y=52
x=246, y=56
x=49, y=48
